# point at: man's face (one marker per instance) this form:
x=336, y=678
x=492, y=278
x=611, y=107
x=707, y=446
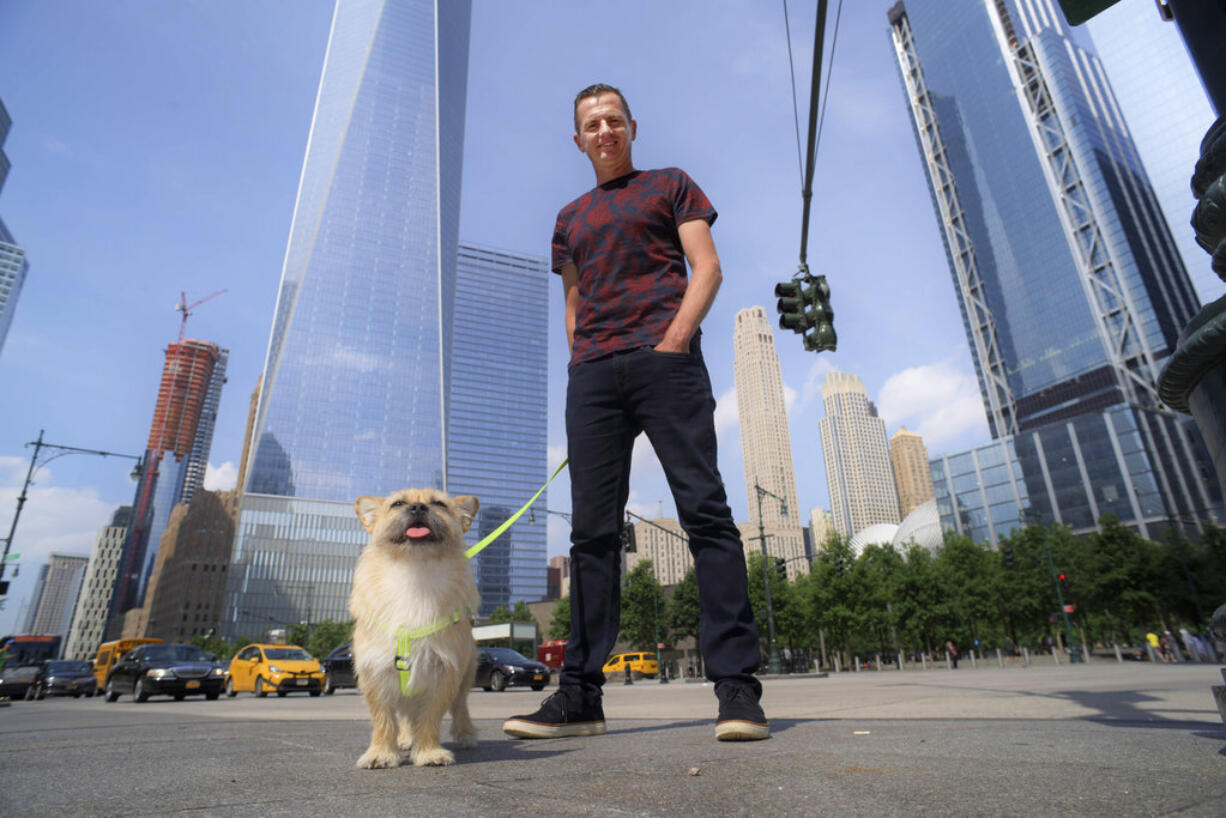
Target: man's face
x=605, y=132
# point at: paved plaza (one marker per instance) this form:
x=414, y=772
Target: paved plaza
x=1103, y=739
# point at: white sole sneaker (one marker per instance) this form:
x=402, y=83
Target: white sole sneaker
x=741, y=731
x=521, y=728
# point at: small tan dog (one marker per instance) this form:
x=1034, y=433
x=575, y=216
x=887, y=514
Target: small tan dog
x=413, y=588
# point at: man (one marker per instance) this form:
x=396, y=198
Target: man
x=632, y=320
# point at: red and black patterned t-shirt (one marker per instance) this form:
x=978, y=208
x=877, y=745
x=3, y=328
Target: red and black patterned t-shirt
x=622, y=237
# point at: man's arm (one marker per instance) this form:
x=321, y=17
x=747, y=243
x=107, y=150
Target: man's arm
x=570, y=288
x=705, y=278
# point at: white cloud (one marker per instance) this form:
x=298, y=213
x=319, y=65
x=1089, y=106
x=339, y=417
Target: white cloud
x=937, y=401
x=727, y=416
x=220, y=478
x=812, y=390
x=53, y=519
x=554, y=455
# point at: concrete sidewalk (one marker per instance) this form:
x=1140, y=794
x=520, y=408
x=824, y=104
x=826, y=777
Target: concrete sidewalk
x=1082, y=740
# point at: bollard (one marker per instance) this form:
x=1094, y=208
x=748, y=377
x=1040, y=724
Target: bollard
x=973, y=665
x=878, y=662
x=856, y=667
x=948, y=666
x=1055, y=655
x=924, y=659
x=1085, y=653
x=1153, y=653
x=836, y=663
x=1025, y=658
x=999, y=659
x=628, y=680
x=900, y=660
x=1119, y=657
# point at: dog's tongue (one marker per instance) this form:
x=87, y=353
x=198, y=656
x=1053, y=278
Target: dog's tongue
x=417, y=532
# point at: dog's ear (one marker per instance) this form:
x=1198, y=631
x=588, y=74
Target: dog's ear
x=368, y=511
x=466, y=508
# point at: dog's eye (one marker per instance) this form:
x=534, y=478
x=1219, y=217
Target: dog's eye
x=438, y=503
x=396, y=504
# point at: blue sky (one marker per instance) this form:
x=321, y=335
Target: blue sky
x=156, y=148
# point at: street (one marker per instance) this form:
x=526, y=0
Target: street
x=1098, y=739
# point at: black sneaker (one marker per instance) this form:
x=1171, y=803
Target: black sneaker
x=740, y=716
x=565, y=713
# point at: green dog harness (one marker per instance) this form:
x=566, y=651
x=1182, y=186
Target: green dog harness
x=404, y=646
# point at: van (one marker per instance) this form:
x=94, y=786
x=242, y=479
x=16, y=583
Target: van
x=109, y=653
x=643, y=664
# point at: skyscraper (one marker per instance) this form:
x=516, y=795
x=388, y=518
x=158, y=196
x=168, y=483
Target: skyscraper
x=912, y=477
x=1071, y=289
x=857, y=456
x=13, y=264
x=1167, y=111
x=665, y=543
x=180, y=436
x=58, y=600
x=497, y=415
x=766, y=444
x=358, y=373
x=94, y=602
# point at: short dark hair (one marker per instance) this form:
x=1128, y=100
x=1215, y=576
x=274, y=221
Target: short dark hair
x=595, y=91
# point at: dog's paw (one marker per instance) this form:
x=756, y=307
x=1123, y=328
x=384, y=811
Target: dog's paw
x=378, y=760
x=437, y=757
x=466, y=738
x=404, y=744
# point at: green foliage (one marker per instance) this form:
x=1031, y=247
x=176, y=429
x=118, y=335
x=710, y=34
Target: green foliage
x=501, y=614
x=224, y=649
x=559, y=626
x=518, y=613
x=320, y=638
x=683, y=611
x=643, y=608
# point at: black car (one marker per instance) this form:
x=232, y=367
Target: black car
x=338, y=669
x=63, y=677
x=499, y=667
x=165, y=670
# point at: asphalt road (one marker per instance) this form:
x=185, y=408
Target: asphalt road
x=1102, y=739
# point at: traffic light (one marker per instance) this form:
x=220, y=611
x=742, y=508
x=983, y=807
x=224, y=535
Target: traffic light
x=629, y=544
x=781, y=570
x=839, y=565
x=1007, y=555
x=804, y=308
x=1063, y=582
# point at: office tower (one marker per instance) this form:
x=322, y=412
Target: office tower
x=179, y=437
x=31, y=606
x=497, y=415
x=909, y=458
x=821, y=526
x=13, y=264
x=1071, y=289
x=188, y=586
x=358, y=370
x=61, y=587
x=561, y=565
x=90, y=619
x=665, y=543
x=766, y=445
x=1167, y=112
x=857, y=456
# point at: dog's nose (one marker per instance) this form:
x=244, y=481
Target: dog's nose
x=417, y=508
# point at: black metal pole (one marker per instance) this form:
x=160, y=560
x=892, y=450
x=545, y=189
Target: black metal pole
x=21, y=501
x=806, y=194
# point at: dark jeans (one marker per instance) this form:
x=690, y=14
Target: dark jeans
x=668, y=396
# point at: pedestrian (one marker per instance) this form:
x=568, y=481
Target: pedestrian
x=1167, y=643
x=951, y=650
x=636, y=365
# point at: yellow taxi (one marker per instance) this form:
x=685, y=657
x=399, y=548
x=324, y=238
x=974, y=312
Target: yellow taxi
x=643, y=664
x=281, y=669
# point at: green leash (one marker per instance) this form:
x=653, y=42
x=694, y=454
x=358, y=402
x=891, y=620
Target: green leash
x=405, y=636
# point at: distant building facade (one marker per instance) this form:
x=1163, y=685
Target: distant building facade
x=857, y=457
x=13, y=264
x=61, y=588
x=909, y=459
x=766, y=445
x=560, y=566
x=93, y=605
x=667, y=546
x=821, y=526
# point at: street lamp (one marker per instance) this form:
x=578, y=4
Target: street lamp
x=60, y=451
x=773, y=662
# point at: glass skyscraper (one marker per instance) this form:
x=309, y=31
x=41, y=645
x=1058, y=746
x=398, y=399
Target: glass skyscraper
x=497, y=414
x=1071, y=289
x=385, y=366
x=13, y=264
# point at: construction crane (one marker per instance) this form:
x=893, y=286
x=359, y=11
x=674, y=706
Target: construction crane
x=186, y=309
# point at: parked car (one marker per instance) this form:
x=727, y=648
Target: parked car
x=63, y=677
x=169, y=669
x=338, y=669
x=499, y=667
x=643, y=664
x=15, y=680
x=280, y=668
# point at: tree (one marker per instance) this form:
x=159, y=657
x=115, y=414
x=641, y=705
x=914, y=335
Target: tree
x=641, y=616
x=684, y=609
x=501, y=614
x=327, y=635
x=559, y=626
x=519, y=613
